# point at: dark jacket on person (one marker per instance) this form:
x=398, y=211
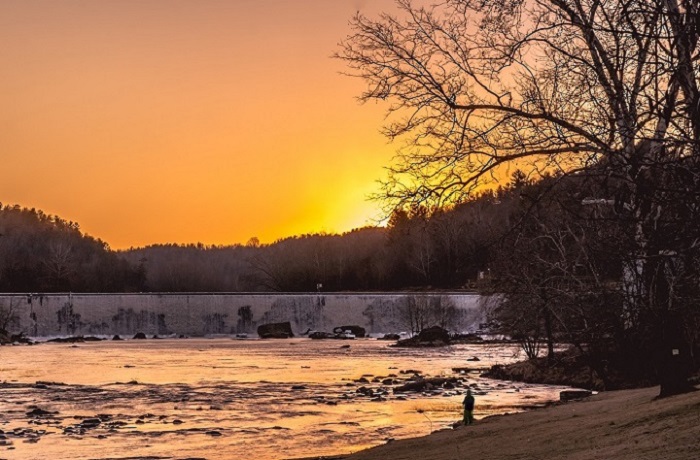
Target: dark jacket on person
x=468, y=402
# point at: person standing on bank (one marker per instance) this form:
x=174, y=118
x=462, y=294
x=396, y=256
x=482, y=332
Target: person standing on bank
x=468, y=404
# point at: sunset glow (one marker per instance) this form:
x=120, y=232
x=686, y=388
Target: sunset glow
x=183, y=121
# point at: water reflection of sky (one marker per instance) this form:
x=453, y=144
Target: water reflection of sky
x=274, y=399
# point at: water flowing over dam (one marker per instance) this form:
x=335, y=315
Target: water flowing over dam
x=205, y=314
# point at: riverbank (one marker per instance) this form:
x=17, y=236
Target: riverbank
x=571, y=368
x=620, y=425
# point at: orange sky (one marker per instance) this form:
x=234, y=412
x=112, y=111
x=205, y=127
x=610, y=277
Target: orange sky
x=155, y=121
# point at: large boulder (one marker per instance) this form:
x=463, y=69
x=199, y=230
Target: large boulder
x=357, y=331
x=434, y=334
x=430, y=337
x=275, y=330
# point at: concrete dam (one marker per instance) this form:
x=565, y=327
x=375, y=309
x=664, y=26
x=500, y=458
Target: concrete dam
x=209, y=314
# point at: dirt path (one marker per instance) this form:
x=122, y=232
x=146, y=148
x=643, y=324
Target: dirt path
x=620, y=425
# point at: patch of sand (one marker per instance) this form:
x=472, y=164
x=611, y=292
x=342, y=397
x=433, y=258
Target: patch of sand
x=620, y=425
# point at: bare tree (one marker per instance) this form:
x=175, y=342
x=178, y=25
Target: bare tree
x=416, y=313
x=422, y=311
x=557, y=272
x=59, y=265
x=8, y=317
x=599, y=86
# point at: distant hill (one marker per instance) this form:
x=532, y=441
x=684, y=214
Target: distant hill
x=44, y=253
x=351, y=261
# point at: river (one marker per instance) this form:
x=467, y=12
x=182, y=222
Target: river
x=222, y=398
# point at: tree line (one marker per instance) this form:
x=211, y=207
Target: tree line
x=419, y=249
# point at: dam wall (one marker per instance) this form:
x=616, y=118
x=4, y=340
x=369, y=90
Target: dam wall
x=207, y=314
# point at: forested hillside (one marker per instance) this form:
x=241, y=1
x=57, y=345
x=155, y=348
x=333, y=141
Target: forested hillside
x=419, y=249
x=44, y=253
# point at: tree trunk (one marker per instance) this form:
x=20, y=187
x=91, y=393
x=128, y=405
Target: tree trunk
x=673, y=361
x=549, y=334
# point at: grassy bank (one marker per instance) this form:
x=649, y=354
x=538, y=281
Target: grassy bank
x=620, y=425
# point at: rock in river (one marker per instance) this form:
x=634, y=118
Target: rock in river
x=275, y=331
x=357, y=331
x=431, y=337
